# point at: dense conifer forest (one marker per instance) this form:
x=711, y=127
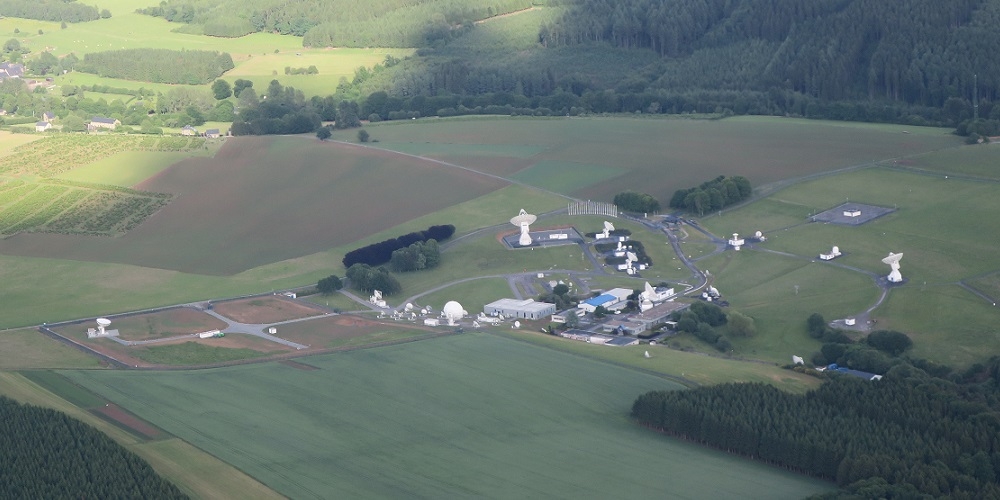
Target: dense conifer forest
x=47, y=454
x=905, y=436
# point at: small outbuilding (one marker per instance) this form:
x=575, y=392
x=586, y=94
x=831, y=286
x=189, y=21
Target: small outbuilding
x=212, y=133
x=42, y=126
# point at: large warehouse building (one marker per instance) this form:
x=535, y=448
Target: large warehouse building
x=513, y=308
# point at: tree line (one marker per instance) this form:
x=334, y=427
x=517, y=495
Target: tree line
x=367, y=278
x=348, y=23
x=190, y=67
x=908, y=435
x=715, y=194
x=383, y=251
x=69, y=11
x=630, y=201
x=48, y=454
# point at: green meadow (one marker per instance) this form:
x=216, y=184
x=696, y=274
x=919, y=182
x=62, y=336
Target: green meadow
x=467, y=415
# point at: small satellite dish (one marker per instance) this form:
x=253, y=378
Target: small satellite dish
x=517, y=324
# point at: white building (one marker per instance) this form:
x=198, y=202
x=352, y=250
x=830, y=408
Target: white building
x=524, y=309
x=612, y=299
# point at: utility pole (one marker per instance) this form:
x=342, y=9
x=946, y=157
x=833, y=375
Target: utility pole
x=975, y=98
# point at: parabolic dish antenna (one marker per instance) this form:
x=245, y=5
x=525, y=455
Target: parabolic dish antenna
x=408, y=307
x=105, y=322
x=608, y=227
x=517, y=324
x=453, y=311
x=523, y=220
x=893, y=261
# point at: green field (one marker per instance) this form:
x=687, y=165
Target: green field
x=657, y=156
x=124, y=169
x=28, y=348
x=468, y=415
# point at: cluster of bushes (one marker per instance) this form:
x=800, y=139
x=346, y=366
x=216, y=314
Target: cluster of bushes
x=382, y=252
x=367, y=278
x=286, y=111
x=913, y=434
x=190, y=67
x=311, y=70
x=876, y=353
x=329, y=284
x=712, y=195
x=48, y=454
x=630, y=201
x=418, y=256
x=701, y=320
x=561, y=297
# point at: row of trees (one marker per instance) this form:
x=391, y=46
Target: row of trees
x=630, y=201
x=69, y=11
x=47, y=454
x=712, y=195
x=907, y=435
x=190, y=67
x=383, y=251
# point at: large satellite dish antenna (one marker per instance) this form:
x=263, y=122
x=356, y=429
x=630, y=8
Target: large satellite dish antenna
x=893, y=261
x=408, y=307
x=523, y=220
x=102, y=323
x=631, y=257
x=609, y=226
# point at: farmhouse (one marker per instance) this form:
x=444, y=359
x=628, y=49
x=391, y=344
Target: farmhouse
x=42, y=126
x=189, y=130
x=612, y=299
x=212, y=133
x=48, y=116
x=11, y=70
x=513, y=308
x=99, y=122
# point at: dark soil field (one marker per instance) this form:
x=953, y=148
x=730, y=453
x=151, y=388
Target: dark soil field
x=124, y=419
x=267, y=199
x=265, y=310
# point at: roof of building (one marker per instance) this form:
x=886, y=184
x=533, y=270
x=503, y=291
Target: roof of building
x=620, y=293
x=659, y=311
x=41, y=124
x=521, y=305
x=103, y=119
x=187, y=127
x=600, y=300
x=212, y=131
x=622, y=341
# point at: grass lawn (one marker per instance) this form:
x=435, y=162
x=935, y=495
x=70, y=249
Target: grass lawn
x=196, y=472
x=193, y=354
x=763, y=287
x=977, y=160
x=467, y=415
x=948, y=324
x=473, y=295
x=337, y=301
x=9, y=141
x=332, y=332
x=27, y=348
x=333, y=64
x=125, y=169
x=695, y=367
x=659, y=156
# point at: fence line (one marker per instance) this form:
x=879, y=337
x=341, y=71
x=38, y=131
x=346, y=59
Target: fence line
x=592, y=208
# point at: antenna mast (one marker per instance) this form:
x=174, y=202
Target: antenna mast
x=975, y=97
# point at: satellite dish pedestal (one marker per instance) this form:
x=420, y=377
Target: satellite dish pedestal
x=524, y=220
x=893, y=261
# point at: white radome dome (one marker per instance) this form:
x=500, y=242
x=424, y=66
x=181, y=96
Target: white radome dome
x=453, y=310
